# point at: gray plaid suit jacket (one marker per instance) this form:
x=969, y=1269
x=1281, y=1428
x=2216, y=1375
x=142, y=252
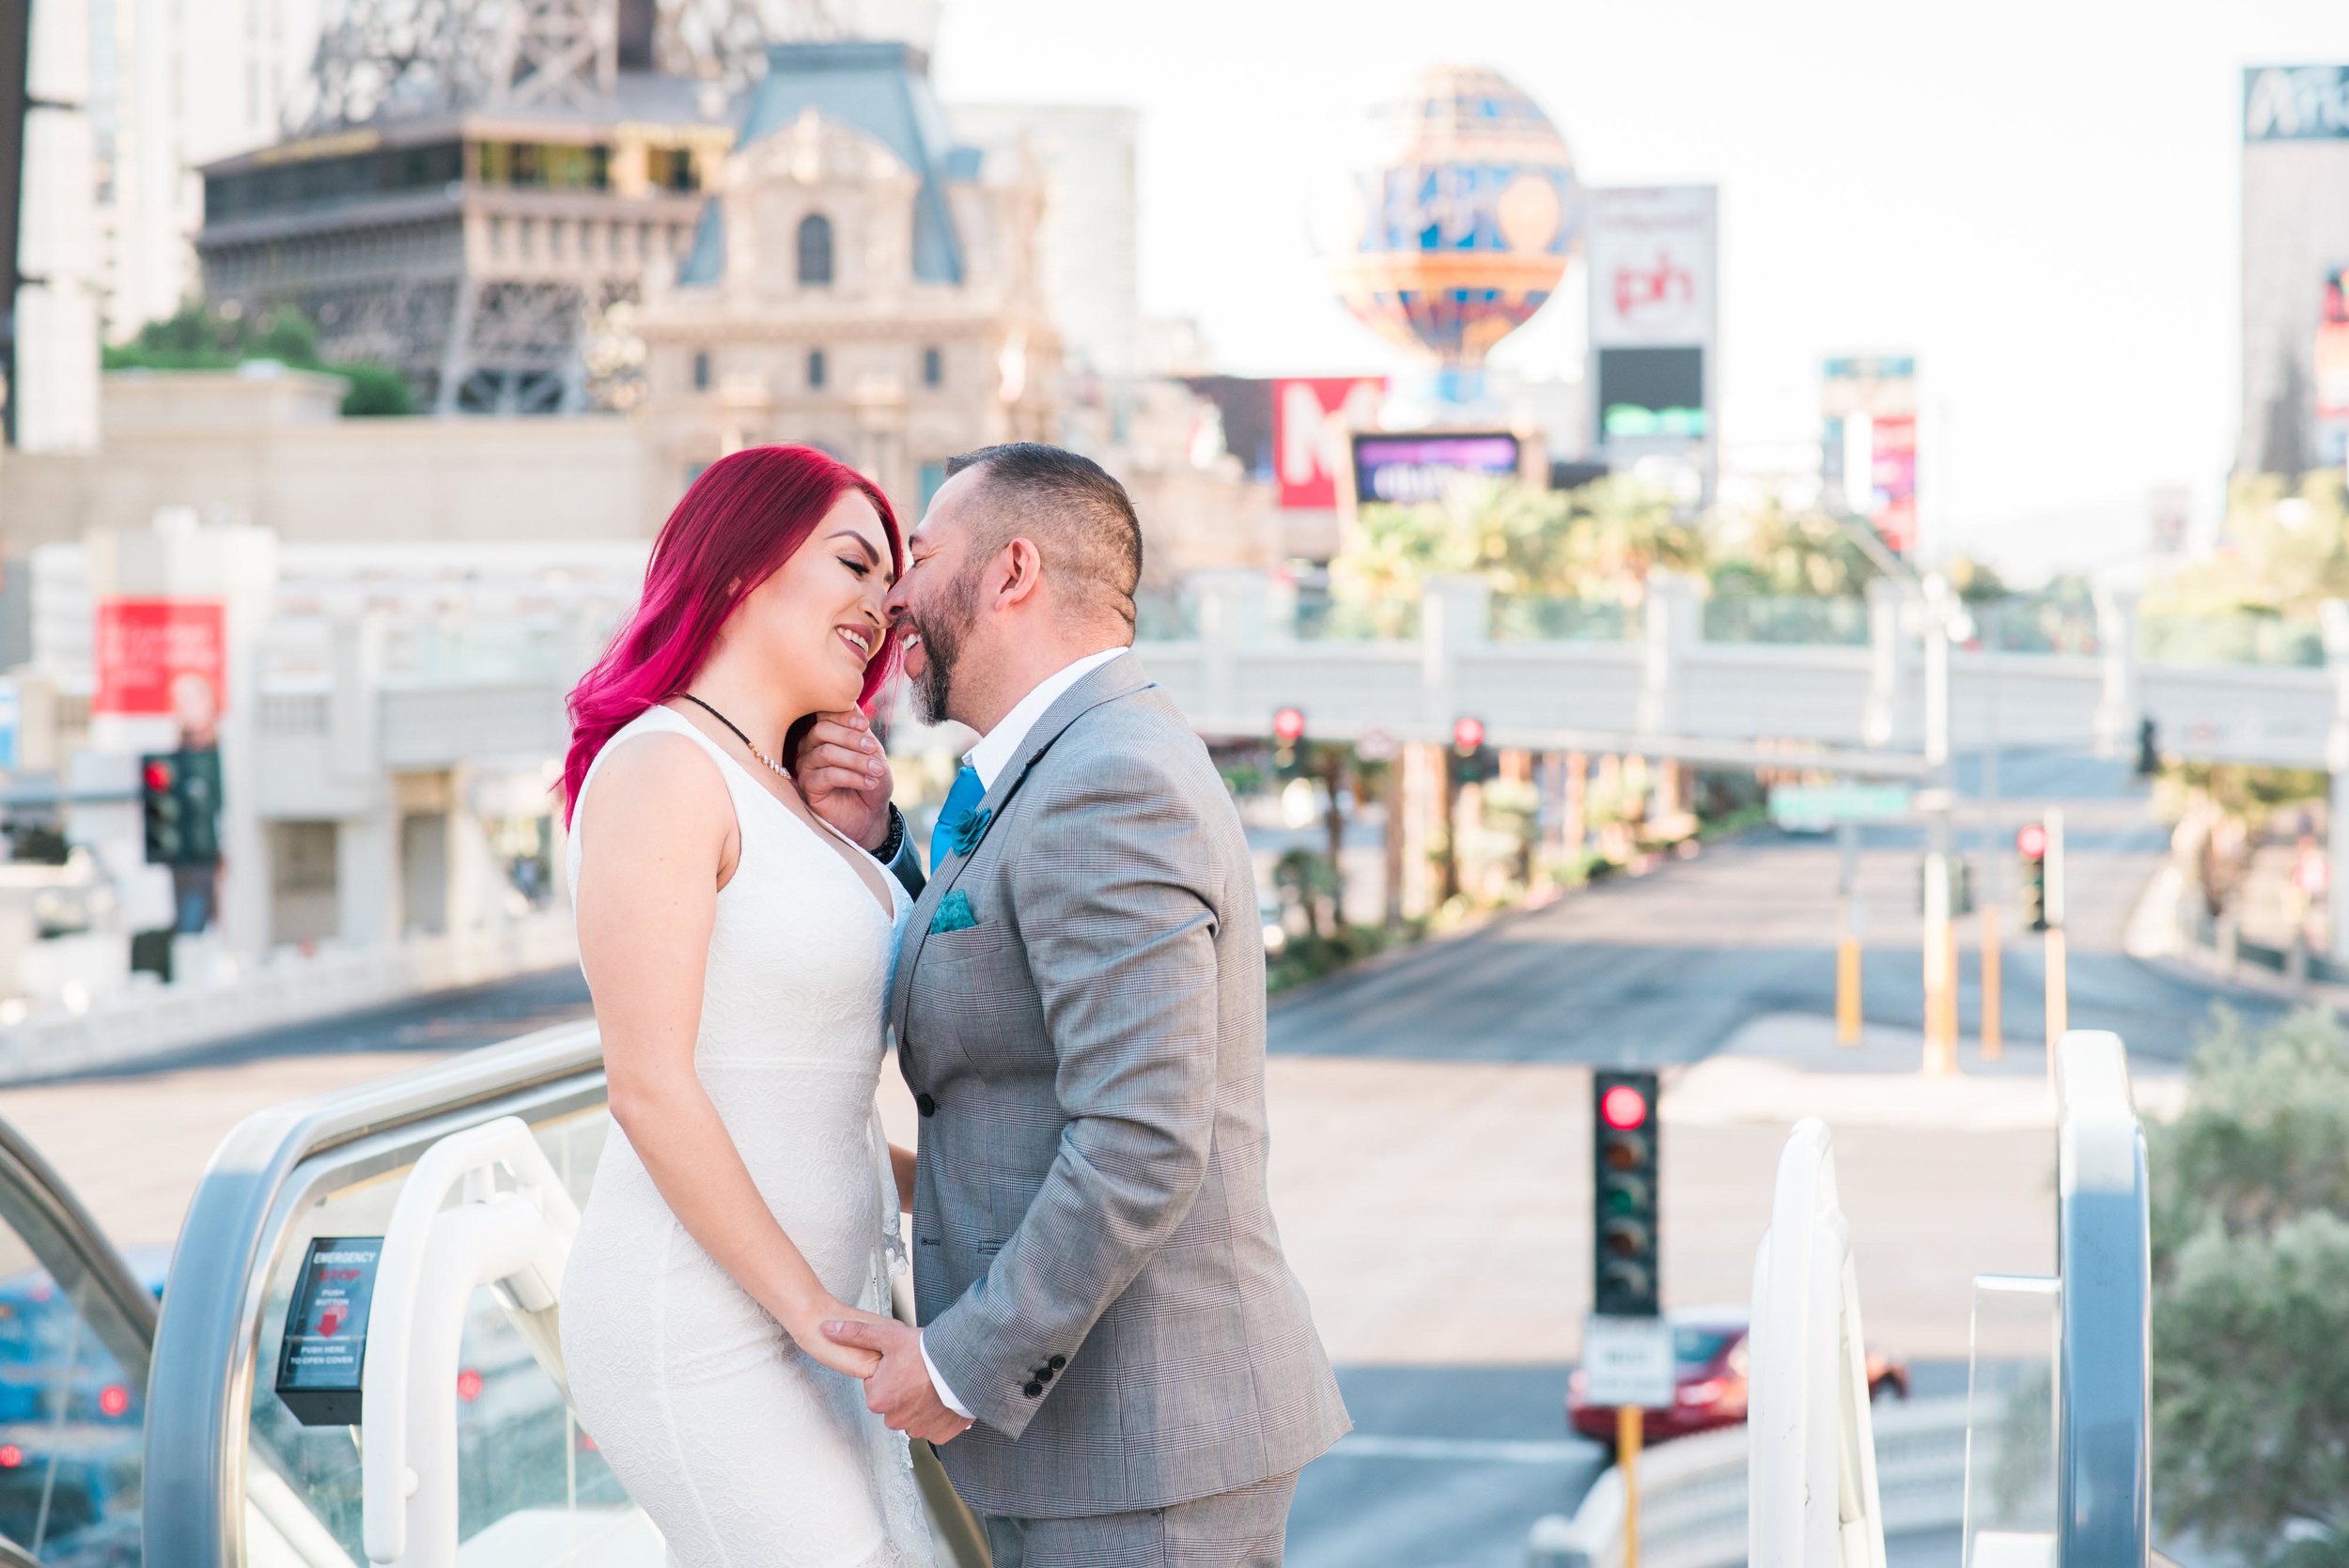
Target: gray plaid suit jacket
x=1095, y=1260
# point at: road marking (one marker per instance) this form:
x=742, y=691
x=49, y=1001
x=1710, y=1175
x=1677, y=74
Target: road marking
x=1483, y=1451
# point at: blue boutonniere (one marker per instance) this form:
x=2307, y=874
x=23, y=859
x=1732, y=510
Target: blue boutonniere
x=969, y=830
x=954, y=913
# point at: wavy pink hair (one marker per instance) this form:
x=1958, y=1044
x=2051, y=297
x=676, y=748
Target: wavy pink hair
x=742, y=518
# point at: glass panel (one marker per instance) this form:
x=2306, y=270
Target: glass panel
x=2010, y=1423
x=521, y=1452
x=1164, y=616
x=1767, y=619
x=2232, y=639
x=1534, y=619
x=2030, y=624
x=1354, y=621
x=69, y=1439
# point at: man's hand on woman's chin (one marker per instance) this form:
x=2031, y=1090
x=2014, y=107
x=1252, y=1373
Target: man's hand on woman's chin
x=843, y=775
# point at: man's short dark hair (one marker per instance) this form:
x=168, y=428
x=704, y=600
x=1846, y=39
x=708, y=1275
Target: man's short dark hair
x=1078, y=515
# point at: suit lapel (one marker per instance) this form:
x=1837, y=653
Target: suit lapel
x=1121, y=677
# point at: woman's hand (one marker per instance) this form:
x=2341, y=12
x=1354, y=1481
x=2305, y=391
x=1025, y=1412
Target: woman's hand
x=804, y=1323
x=843, y=776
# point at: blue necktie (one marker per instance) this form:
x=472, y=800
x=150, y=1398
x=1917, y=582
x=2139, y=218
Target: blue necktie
x=961, y=801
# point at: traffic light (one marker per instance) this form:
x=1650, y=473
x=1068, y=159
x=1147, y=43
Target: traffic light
x=2030, y=848
x=1625, y=1211
x=180, y=800
x=199, y=805
x=1289, y=728
x=159, y=800
x=1472, y=761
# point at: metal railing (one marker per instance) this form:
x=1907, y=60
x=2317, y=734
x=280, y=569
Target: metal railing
x=2104, y=1258
x=235, y=1245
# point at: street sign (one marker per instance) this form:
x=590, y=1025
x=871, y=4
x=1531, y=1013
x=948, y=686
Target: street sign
x=1627, y=1361
x=1815, y=808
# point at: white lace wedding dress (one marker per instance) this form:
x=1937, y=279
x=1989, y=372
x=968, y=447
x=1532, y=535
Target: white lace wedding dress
x=741, y=1450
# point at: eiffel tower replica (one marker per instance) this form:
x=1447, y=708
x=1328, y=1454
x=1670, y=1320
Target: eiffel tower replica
x=476, y=188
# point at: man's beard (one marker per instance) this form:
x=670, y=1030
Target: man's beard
x=942, y=630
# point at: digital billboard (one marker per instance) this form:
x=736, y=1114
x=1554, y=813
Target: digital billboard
x=1868, y=450
x=1408, y=469
x=2331, y=377
x=1653, y=264
x=1651, y=392
x=1312, y=418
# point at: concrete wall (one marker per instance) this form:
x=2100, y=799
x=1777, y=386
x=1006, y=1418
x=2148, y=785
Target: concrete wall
x=268, y=450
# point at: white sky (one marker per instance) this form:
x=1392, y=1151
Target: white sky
x=2039, y=199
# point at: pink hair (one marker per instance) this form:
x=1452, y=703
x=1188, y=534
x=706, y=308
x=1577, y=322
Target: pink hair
x=742, y=519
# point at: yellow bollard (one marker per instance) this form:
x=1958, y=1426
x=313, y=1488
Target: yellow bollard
x=1630, y=1419
x=2059, y=1001
x=1847, y=991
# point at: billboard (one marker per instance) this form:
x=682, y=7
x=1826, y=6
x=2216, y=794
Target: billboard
x=1408, y=469
x=1867, y=451
x=1312, y=418
x=162, y=657
x=1653, y=268
x=1652, y=259
x=1651, y=392
x=2331, y=370
x=2295, y=104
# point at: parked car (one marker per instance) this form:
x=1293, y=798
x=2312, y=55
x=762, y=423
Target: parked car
x=1709, y=1355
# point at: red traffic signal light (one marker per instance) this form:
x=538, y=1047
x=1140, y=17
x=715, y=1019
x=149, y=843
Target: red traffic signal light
x=2032, y=840
x=1468, y=733
x=1622, y=1108
x=1289, y=725
x=158, y=775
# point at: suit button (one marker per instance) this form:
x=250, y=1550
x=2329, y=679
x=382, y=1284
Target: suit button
x=925, y=1105
x=1033, y=1390
x=1044, y=1374
x=1057, y=1362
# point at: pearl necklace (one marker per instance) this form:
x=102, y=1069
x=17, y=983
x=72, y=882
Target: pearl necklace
x=778, y=768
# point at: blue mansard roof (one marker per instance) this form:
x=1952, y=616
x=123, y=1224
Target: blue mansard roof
x=881, y=90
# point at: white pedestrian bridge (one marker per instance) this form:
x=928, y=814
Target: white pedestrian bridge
x=1672, y=678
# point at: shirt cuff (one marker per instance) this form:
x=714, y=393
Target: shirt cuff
x=945, y=1395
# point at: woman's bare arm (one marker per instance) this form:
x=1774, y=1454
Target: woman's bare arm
x=659, y=829
x=901, y=1166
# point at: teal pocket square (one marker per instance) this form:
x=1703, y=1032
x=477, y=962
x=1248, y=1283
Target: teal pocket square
x=954, y=913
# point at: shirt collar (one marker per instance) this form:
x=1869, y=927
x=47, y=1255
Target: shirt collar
x=995, y=749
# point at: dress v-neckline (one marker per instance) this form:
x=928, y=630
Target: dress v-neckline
x=885, y=903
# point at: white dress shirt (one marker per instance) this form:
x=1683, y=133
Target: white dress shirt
x=988, y=759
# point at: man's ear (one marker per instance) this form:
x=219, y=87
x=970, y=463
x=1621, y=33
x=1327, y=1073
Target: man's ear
x=1022, y=565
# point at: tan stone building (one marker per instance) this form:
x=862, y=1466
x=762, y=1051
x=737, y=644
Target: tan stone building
x=858, y=283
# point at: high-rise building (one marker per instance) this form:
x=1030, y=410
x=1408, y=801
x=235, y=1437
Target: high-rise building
x=2295, y=259
x=1090, y=213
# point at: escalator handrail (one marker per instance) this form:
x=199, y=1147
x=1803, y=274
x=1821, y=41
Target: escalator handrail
x=59, y=1231
x=199, y=1394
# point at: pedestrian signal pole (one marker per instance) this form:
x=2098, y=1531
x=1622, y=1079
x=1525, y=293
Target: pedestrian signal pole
x=2059, y=993
x=1847, y=994
x=1626, y=1345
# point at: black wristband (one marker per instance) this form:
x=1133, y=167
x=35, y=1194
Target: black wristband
x=894, y=844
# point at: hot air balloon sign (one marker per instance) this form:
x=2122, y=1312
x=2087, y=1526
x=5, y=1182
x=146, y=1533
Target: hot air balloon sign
x=1462, y=220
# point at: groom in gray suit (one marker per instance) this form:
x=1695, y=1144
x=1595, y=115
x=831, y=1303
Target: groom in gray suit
x=1113, y=1354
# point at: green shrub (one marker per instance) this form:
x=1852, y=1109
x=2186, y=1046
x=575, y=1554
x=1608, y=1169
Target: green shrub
x=2250, y=1243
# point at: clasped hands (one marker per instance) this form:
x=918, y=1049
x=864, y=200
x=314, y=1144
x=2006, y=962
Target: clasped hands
x=898, y=1388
